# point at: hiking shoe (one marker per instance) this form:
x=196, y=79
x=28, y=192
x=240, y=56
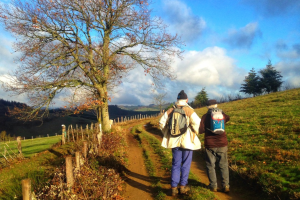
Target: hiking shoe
x=174, y=191
x=213, y=189
x=226, y=189
x=184, y=189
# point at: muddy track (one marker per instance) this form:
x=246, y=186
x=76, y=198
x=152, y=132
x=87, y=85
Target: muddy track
x=239, y=189
x=139, y=185
x=138, y=182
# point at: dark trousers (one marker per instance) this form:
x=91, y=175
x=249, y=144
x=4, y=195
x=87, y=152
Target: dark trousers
x=215, y=156
x=181, y=164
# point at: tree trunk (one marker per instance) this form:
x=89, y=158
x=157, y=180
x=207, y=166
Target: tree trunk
x=98, y=111
x=103, y=90
x=105, y=117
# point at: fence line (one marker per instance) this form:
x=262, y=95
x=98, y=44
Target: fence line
x=134, y=117
x=88, y=141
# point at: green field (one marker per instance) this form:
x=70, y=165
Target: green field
x=264, y=141
x=38, y=168
x=31, y=147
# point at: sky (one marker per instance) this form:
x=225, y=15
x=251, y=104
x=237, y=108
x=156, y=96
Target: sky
x=223, y=40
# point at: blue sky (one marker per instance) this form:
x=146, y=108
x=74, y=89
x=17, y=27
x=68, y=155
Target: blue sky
x=224, y=40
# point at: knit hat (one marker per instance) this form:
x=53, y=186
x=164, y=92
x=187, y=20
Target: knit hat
x=182, y=95
x=212, y=104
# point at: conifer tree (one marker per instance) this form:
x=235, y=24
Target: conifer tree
x=251, y=84
x=202, y=98
x=271, y=79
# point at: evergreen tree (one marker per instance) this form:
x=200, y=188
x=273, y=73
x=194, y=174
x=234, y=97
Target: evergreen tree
x=252, y=84
x=270, y=78
x=202, y=98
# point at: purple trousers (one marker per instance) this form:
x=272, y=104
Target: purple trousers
x=181, y=164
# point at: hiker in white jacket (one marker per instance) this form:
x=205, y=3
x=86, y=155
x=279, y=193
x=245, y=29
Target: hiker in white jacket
x=183, y=145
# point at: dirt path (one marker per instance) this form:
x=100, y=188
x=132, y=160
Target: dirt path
x=239, y=190
x=160, y=174
x=138, y=183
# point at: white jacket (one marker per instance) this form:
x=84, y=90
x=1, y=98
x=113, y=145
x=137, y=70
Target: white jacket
x=189, y=139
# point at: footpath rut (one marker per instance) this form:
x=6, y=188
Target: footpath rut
x=139, y=182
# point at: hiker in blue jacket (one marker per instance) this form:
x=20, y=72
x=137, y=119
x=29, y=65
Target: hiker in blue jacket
x=182, y=141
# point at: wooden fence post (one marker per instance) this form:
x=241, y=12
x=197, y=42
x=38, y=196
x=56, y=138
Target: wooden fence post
x=87, y=131
x=77, y=132
x=69, y=171
x=81, y=132
x=63, y=134
x=26, y=189
x=77, y=155
x=85, y=149
x=69, y=133
x=19, y=144
x=99, y=137
x=110, y=123
x=72, y=131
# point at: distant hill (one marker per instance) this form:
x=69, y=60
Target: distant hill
x=142, y=108
x=52, y=125
x=116, y=112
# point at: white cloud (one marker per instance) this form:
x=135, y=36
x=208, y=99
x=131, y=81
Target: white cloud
x=289, y=64
x=7, y=79
x=6, y=55
x=289, y=69
x=182, y=20
x=210, y=68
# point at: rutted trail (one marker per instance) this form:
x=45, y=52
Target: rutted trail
x=239, y=190
x=138, y=181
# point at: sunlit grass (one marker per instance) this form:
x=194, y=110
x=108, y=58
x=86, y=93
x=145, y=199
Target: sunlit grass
x=30, y=146
x=38, y=169
x=264, y=140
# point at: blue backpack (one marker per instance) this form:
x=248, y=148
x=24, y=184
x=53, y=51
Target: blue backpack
x=217, y=123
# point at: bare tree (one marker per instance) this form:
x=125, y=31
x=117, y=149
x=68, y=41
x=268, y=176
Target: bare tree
x=83, y=45
x=159, y=100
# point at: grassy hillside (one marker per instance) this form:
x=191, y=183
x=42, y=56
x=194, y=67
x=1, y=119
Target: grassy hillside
x=48, y=127
x=53, y=125
x=264, y=140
